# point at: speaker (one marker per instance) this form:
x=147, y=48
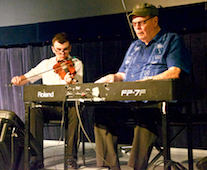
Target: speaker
x=12, y=141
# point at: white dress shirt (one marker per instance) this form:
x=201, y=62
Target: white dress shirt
x=44, y=70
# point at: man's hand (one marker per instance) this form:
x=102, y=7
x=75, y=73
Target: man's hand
x=110, y=78
x=19, y=80
x=106, y=79
x=16, y=80
x=69, y=78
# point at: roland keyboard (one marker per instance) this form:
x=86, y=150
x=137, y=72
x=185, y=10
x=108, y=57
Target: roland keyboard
x=151, y=90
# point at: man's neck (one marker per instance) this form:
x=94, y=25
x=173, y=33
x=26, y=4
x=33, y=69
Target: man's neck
x=155, y=32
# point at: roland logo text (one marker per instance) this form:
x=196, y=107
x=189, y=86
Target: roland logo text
x=45, y=94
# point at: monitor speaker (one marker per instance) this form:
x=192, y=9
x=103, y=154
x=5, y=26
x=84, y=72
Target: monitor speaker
x=12, y=141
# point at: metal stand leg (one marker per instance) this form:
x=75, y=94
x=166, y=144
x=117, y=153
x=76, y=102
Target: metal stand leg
x=66, y=134
x=82, y=137
x=189, y=136
x=166, y=141
x=83, y=148
x=165, y=129
x=26, y=137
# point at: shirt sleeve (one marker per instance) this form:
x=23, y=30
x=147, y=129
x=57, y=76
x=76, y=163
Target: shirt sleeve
x=35, y=73
x=79, y=70
x=178, y=55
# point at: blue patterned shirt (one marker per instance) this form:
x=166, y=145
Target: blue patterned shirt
x=164, y=51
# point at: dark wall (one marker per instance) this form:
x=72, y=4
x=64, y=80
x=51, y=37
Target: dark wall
x=181, y=19
x=185, y=19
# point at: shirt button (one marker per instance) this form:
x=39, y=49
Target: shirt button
x=143, y=58
x=137, y=65
x=132, y=75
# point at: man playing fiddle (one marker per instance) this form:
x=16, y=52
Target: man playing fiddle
x=61, y=47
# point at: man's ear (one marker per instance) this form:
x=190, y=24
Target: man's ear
x=155, y=20
x=53, y=49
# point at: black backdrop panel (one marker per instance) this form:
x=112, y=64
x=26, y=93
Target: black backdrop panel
x=87, y=29
x=181, y=19
x=18, y=35
x=185, y=19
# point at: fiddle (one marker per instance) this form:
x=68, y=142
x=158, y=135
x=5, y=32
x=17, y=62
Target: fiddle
x=63, y=67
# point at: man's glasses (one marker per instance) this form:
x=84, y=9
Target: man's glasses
x=141, y=23
x=60, y=51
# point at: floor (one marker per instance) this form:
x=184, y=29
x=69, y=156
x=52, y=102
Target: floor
x=54, y=157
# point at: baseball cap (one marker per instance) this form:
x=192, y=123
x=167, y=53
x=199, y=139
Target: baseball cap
x=144, y=9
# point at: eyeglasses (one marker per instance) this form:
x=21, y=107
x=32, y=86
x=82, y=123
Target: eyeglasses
x=60, y=51
x=141, y=23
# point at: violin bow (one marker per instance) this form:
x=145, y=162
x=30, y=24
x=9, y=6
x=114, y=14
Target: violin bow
x=11, y=84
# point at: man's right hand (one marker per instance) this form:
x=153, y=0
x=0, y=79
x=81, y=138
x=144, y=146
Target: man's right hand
x=16, y=80
x=110, y=78
x=19, y=80
x=106, y=79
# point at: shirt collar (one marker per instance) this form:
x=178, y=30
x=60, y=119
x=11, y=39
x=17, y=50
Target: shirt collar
x=157, y=37
x=159, y=34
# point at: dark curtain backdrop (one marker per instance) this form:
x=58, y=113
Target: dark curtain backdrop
x=99, y=58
